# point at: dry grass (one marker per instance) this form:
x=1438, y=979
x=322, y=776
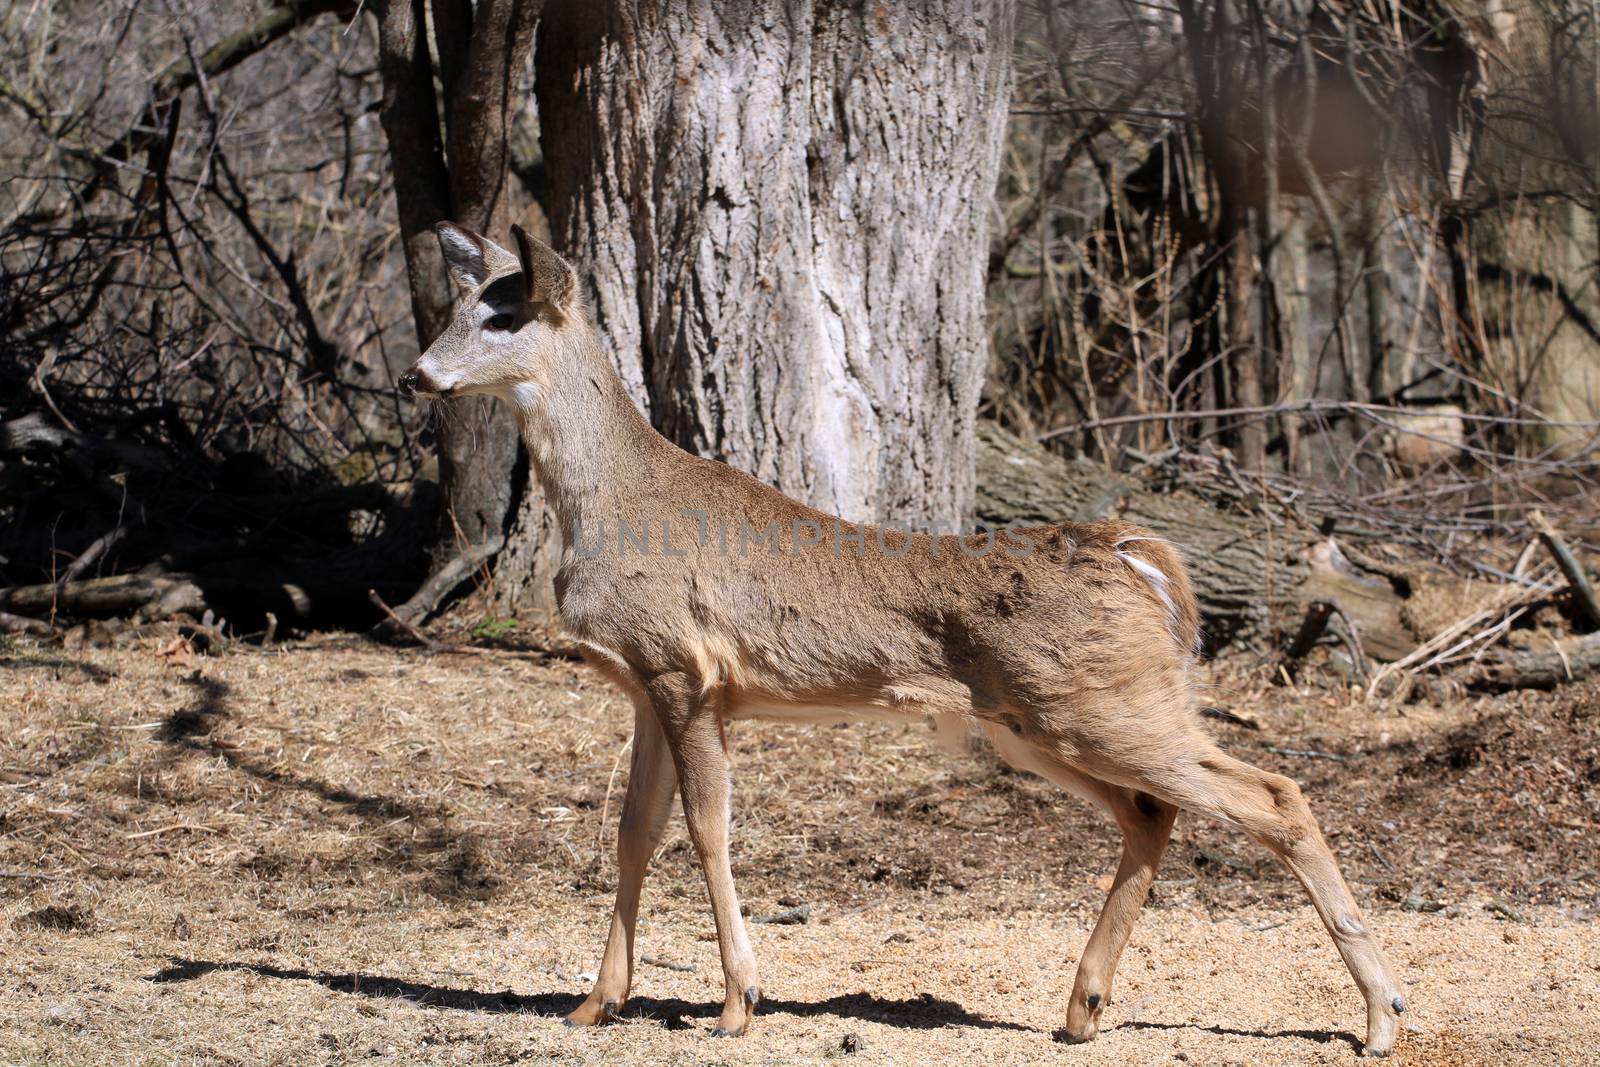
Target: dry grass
x=339, y=852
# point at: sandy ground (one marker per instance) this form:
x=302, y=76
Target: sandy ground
x=484, y=984
x=339, y=853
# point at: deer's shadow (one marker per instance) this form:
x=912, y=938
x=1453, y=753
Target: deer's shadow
x=918, y=1013
x=1323, y=1037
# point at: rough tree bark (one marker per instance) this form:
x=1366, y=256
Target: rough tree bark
x=783, y=212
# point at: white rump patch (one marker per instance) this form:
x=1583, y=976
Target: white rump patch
x=1157, y=579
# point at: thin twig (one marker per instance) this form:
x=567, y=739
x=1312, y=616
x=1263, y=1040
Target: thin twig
x=657, y=961
x=172, y=827
x=605, y=807
x=1306, y=753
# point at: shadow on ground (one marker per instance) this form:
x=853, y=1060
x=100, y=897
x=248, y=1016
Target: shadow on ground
x=57, y=666
x=919, y=1013
x=429, y=842
x=1322, y=1037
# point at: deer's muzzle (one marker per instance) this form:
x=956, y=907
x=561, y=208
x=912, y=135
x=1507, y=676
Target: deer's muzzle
x=416, y=381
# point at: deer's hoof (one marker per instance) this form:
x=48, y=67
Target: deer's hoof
x=738, y=1013
x=1083, y=1018
x=1383, y=1026
x=591, y=1014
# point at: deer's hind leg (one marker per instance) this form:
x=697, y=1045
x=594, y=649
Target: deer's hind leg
x=1146, y=825
x=1272, y=809
x=1197, y=776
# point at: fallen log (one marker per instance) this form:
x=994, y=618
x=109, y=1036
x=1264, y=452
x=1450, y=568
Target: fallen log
x=1538, y=668
x=1255, y=574
x=36, y=435
x=153, y=596
x=17, y=624
x=322, y=594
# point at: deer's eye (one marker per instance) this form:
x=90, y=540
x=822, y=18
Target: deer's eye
x=502, y=321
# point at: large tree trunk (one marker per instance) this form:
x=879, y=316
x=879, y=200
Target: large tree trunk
x=783, y=209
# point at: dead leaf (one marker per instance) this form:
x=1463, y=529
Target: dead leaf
x=179, y=652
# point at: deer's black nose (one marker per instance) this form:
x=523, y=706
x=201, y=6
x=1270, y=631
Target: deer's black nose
x=409, y=382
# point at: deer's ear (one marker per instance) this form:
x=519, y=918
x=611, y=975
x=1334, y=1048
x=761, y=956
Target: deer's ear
x=463, y=254
x=471, y=258
x=546, y=276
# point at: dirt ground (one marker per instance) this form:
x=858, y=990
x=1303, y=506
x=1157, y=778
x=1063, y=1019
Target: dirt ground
x=334, y=852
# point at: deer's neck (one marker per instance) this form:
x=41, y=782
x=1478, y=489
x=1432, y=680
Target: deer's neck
x=591, y=448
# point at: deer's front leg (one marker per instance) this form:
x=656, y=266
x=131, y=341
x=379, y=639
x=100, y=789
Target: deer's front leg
x=691, y=721
x=651, y=782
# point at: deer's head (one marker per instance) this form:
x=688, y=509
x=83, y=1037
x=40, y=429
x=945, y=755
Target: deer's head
x=508, y=325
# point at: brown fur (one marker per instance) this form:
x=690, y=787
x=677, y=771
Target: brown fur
x=1071, y=656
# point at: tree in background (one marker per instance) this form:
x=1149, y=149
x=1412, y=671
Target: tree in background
x=1523, y=228
x=783, y=208
x=451, y=158
x=1255, y=224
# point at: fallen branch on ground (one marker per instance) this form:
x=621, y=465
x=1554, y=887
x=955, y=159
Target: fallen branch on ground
x=241, y=589
x=154, y=596
x=445, y=580
x=1509, y=602
x=1536, y=668
x=415, y=634
x=1571, y=569
x=17, y=624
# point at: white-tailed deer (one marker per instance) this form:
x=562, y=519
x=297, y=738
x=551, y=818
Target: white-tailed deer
x=709, y=596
